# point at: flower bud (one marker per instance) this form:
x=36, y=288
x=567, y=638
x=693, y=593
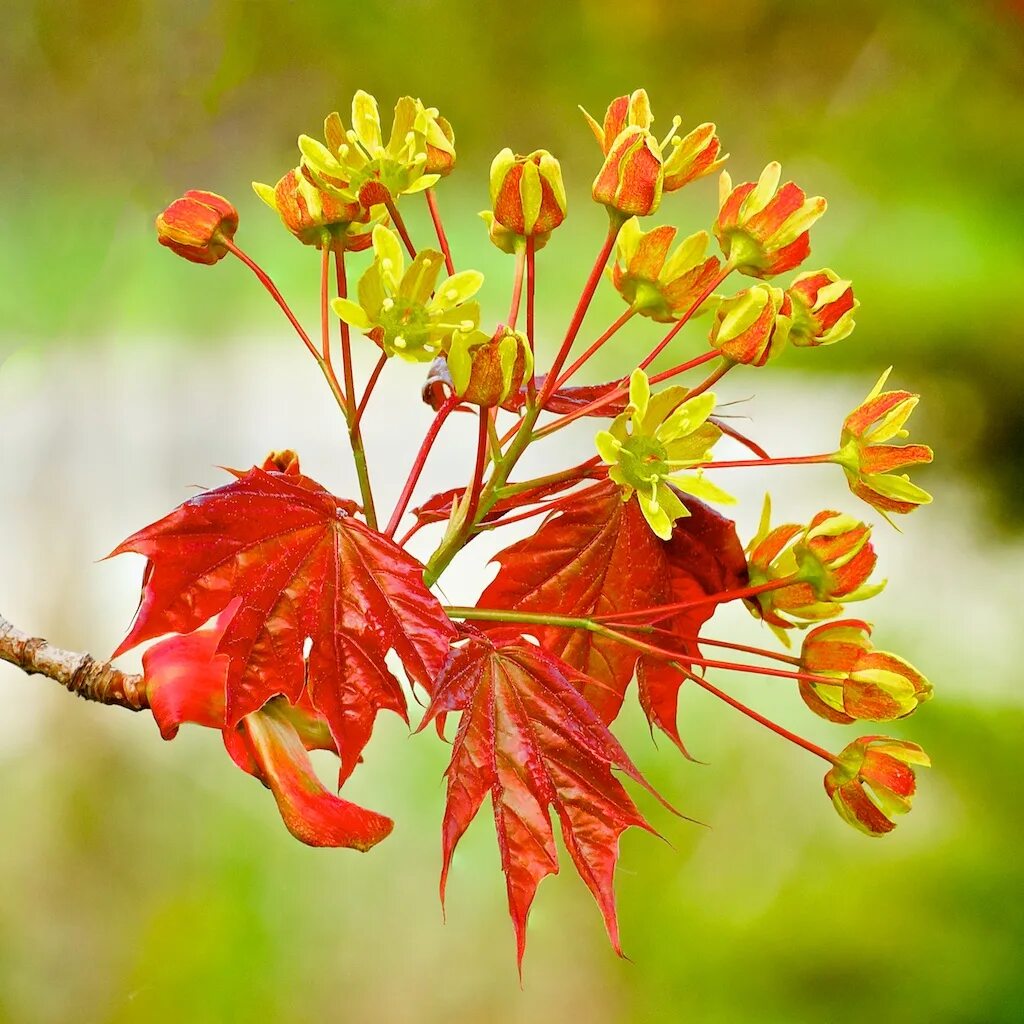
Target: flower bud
x=655, y=284
x=872, y=781
x=752, y=326
x=762, y=228
x=284, y=461
x=486, y=370
x=869, y=462
x=197, y=226
x=439, y=140
x=632, y=178
x=869, y=685
x=823, y=308
x=692, y=157
x=817, y=567
x=527, y=193
x=306, y=210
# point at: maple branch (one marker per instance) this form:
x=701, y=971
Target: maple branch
x=442, y=237
x=78, y=673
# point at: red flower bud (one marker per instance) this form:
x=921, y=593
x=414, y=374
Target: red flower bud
x=632, y=178
x=873, y=781
x=527, y=193
x=486, y=370
x=823, y=308
x=752, y=326
x=762, y=228
x=308, y=211
x=197, y=226
x=869, y=685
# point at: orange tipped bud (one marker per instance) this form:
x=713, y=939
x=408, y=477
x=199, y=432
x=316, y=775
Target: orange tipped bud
x=753, y=326
x=486, y=370
x=197, y=226
x=823, y=307
x=873, y=781
x=527, y=192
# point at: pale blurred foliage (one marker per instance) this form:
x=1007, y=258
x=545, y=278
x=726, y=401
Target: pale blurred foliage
x=153, y=882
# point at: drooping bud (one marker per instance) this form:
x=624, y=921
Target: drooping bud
x=308, y=211
x=869, y=685
x=484, y=369
x=657, y=285
x=197, y=226
x=870, y=462
x=527, y=193
x=752, y=327
x=762, y=228
x=823, y=307
x=873, y=781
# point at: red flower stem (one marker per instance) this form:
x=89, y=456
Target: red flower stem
x=550, y=506
x=517, y=289
x=370, y=385
x=411, y=532
x=711, y=379
x=354, y=433
x=759, y=651
x=664, y=611
x=759, y=718
x=791, y=460
x=620, y=392
x=264, y=279
x=442, y=238
x=615, y=223
x=531, y=290
x=726, y=270
x=615, y=327
x=741, y=438
x=478, y=470
x=417, y=467
x=400, y=227
x=325, y=308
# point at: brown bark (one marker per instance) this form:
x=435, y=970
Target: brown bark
x=79, y=673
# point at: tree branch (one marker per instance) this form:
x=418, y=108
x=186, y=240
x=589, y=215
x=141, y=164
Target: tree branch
x=79, y=673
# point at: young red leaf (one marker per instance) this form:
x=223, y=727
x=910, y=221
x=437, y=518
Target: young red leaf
x=529, y=739
x=596, y=557
x=569, y=399
x=705, y=556
x=305, y=569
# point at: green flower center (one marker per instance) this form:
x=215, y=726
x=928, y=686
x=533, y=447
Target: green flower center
x=406, y=325
x=643, y=461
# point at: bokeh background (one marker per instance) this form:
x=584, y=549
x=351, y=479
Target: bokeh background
x=143, y=881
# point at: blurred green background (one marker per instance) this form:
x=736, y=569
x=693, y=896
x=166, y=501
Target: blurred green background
x=141, y=881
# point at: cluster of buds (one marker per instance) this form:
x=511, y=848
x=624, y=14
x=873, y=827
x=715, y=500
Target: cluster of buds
x=810, y=572
x=405, y=311
x=655, y=283
x=865, y=684
x=651, y=443
x=870, y=462
x=635, y=172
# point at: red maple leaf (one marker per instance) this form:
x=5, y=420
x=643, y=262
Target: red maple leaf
x=598, y=556
x=306, y=571
x=705, y=557
x=529, y=739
